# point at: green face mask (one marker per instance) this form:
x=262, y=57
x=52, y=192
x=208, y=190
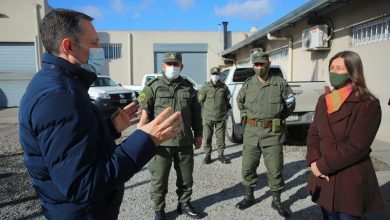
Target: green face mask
x=338, y=80
x=262, y=72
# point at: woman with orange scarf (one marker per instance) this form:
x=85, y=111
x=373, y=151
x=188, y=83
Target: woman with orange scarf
x=346, y=120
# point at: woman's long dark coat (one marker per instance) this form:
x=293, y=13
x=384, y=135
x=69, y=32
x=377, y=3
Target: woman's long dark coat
x=341, y=145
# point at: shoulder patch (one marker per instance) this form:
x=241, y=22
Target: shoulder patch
x=144, y=96
x=141, y=97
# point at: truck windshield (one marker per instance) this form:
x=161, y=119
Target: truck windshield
x=242, y=74
x=104, y=81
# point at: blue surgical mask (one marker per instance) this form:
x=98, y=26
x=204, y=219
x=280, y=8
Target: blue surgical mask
x=96, y=60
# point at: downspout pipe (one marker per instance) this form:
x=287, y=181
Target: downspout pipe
x=290, y=52
x=37, y=40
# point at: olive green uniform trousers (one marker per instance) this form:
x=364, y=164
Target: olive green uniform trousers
x=272, y=154
x=160, y=166
x=208, y=130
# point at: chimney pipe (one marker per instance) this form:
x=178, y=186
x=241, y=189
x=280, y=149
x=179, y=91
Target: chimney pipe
x=225, y=35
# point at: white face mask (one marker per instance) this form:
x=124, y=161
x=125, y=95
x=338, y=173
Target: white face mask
x=96, y=60
x=172, y=72
x=215, y=78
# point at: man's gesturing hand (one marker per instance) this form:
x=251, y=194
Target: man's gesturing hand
x=162, y=128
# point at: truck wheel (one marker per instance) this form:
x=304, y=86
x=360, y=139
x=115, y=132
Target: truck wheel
x=232, y=131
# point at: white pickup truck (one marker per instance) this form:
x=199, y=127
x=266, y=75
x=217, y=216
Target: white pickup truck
x=148, y=77
x=306, y=94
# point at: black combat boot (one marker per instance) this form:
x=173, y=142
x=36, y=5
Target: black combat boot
x=159, y=215
x=223, y=159
x=187, y=209
x=248, y=200
x=276, y=204
x=207, y=159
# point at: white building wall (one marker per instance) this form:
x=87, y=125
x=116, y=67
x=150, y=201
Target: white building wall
x=20, y=23
x=138, y=55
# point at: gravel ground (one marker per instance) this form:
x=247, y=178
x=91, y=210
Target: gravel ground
x=217, y=187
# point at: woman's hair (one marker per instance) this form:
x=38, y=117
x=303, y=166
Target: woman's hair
x=354, y=66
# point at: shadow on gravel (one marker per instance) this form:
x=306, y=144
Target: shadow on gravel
x=18, y=201
x=31, y=216
x=312, y=212
x=137, y=184
x=5, y=175
x=238, y=189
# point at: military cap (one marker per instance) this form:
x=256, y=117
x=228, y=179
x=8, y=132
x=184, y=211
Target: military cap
x=260, y=57
x=172, y=57
x=215, y=70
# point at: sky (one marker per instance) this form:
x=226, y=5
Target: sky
x=182, y=15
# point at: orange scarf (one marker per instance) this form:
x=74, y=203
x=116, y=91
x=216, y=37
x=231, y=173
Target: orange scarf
x=336, y=98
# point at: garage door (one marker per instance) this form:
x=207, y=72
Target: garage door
x=194, y=59
x=17, y=66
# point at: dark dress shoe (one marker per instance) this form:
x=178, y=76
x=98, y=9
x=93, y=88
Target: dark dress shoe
x=223, y=159
x=187, y=209
x=207, y=159
x=159, y=215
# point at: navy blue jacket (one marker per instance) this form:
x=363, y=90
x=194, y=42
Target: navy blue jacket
x=77, y=169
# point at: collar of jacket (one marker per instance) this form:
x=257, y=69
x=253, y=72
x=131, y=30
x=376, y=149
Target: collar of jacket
x=270, y=81
x=351, y=98
x=70, y=69
x=171, y=81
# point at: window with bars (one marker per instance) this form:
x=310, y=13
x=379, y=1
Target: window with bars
x=112, y=51
x=371, y=32
x=281, y=54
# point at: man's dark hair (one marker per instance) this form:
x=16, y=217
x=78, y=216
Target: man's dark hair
x=59, y=24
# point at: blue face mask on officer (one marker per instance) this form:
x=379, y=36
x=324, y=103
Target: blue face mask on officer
x=96, y=59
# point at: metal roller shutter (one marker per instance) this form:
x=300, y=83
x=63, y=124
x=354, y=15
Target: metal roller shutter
x=17, y=66
x=194, y=59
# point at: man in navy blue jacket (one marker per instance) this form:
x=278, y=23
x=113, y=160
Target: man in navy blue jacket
x=76, y=167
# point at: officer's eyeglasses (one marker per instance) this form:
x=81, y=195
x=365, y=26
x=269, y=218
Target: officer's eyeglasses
x=172, y=64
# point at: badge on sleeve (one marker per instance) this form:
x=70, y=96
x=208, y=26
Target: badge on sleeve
x=141, y=97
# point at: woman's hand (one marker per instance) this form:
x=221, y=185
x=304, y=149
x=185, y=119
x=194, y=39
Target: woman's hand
x=162, y=128
x=316, y=172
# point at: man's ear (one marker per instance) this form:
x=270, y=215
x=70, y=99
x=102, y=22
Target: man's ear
x=181, y=67
x=66, y=46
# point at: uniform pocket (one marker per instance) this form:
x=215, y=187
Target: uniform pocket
x=163, y=99
x=185, y=100
x=210, y=95
x=251, y=97
x=275, y=105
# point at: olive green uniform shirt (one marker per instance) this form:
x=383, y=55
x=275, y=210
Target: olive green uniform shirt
x=180, y=95
x=215, y=99
x=265, y=101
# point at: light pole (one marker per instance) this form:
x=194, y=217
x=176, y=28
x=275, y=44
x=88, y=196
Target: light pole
x=220, y=40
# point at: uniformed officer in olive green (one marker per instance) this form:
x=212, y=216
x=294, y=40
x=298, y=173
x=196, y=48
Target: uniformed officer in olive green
x=265, y=100
x=172, y=90
x=214, y=97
